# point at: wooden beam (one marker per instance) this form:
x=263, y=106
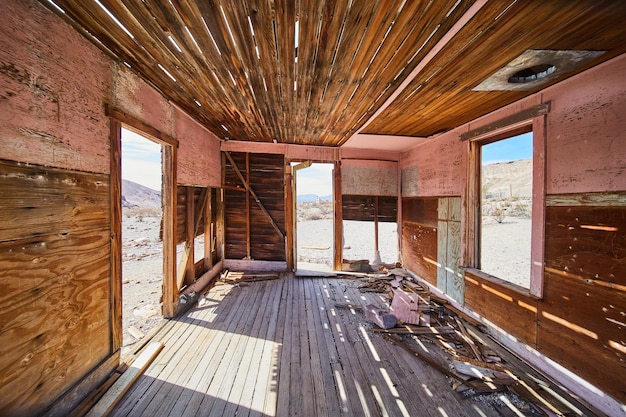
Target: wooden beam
x=138, y=126
x=376, y=253
x=508, y=123
x=124, y=382
x=116, y=234
x=190, y=237
x=209, y=231
x=248, y=232
x=291, y=217
x=186, y=260
x=338, y=219
x=170, y=288
x=251, y=191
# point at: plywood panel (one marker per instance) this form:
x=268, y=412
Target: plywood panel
x=587, y=243
x=510, y=310
x=419, y=250
x=65, y=200
x=420, y=210
x=54, y=289
x=55, y=280
x=581, y=326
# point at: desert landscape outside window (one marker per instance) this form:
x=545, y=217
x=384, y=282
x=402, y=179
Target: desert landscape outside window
x=506, y=178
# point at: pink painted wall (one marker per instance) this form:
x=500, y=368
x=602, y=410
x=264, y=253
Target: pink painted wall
x=199, y=161
x=441, y=165
x=52, y=88
x=585, y=146
x=586, y=129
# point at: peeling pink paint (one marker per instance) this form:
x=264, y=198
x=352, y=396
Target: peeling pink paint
x=585, y=144
x=52, y=89
x=135, y=97
x=199, y=161
x=441, y=165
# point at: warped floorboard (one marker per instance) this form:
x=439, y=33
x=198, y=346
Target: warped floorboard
x=282, y=348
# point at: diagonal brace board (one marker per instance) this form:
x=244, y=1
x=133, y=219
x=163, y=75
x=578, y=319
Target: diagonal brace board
x=182, y=264
x=251, y=191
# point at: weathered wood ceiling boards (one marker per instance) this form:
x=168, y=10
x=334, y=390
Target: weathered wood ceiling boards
x=318, y=71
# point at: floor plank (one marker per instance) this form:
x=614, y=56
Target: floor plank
x=283, y=348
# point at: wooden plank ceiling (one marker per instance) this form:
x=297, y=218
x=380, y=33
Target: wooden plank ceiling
x=316, y=71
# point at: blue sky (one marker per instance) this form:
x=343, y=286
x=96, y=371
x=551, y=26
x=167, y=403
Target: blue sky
x=141, y=160
x=513, y=149
x=316, y=179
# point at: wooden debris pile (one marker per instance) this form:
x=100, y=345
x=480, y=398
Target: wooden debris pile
x=242, y=278
x=465, y=354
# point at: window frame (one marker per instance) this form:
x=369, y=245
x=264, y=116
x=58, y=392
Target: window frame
x=532, y=121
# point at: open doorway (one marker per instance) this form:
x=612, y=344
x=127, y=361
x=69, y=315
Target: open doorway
x=142, y=244
x=313, y=188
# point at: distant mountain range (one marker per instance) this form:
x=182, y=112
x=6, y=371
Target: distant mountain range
x=136, y=195
x=312, y=198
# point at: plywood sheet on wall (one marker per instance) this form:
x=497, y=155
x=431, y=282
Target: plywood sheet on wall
x=581, y=327
x=359, y=180
x=419, y=250
x=508, y=309
x=449, y=275
x=55, y=280
x=582, y=313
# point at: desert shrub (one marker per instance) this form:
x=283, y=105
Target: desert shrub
x=141, y=212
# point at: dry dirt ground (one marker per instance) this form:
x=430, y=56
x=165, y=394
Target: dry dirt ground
x=142, y=275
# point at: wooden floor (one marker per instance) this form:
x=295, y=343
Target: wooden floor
x=282, y=348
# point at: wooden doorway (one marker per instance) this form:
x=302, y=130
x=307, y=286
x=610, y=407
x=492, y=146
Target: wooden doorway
x=120, y=120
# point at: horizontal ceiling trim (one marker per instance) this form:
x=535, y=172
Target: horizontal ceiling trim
x=511, y=121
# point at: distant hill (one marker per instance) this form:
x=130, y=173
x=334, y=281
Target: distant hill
x=136, y=195
x=312, y=198
x=508, y=179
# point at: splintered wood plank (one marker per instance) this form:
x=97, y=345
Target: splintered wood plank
x=191, y=397
x=356, y=383
x=242, y=389
x=124, y=382
x=322, y=292
x=392, y=397
x=319, y=358
x=176, y=339
x=307, y=388
x=255, y=396
x=289, y=356
x=220, y=371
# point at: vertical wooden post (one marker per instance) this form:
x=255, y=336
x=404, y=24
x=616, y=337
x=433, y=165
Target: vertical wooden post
x=338, y=219
x=376, y=252
x=115, y=183
x=248, y=232
x=471, y=248
x=170, y=290
x=208, y=230
x=190, y=221
x=399, y=213
x=219, y=226
x=290, y=217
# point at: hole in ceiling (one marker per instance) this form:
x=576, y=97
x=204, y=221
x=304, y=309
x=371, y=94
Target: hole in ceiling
x=536, y=67
x=528, y=74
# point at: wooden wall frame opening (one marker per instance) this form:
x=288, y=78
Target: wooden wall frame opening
x=119, y=120
x=530, y=120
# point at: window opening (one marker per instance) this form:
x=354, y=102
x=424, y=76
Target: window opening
x=506, y=178
x=142, y=246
